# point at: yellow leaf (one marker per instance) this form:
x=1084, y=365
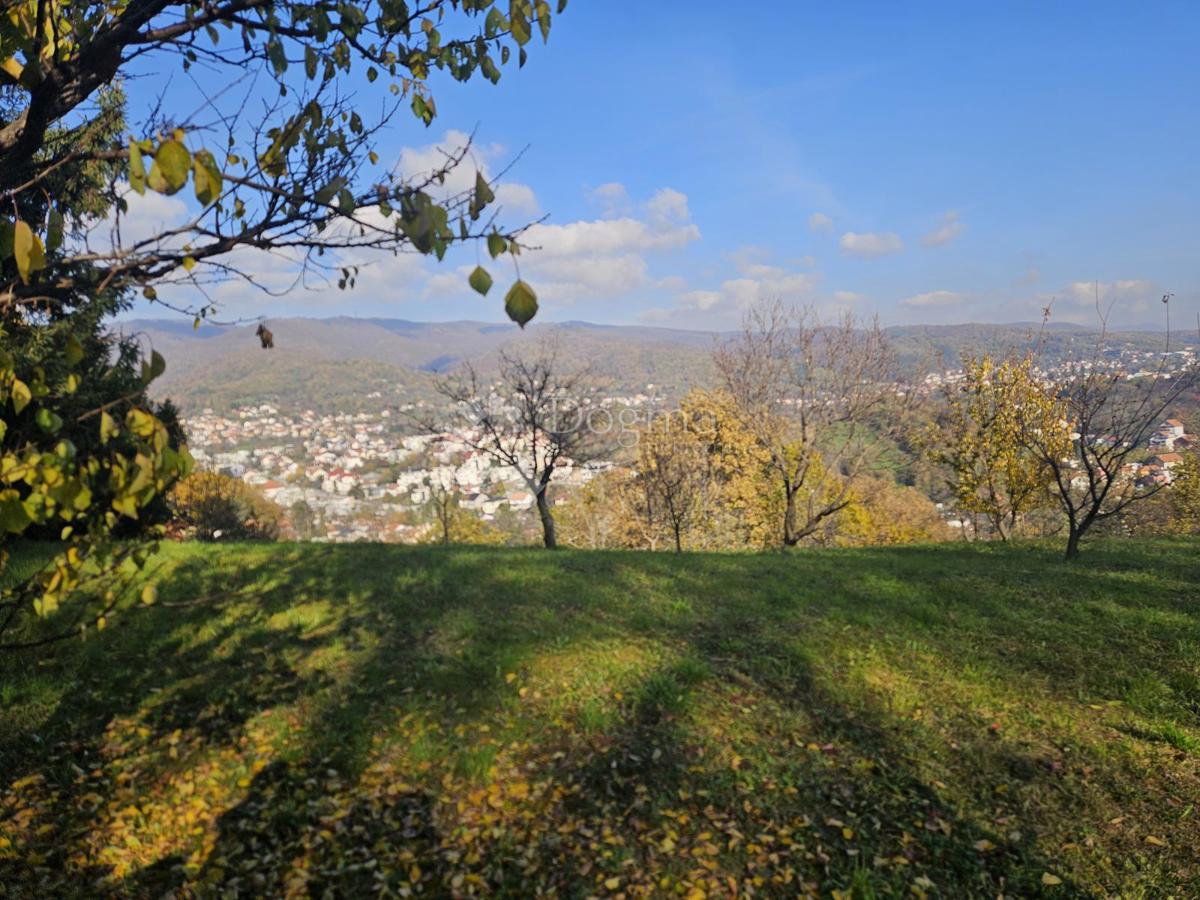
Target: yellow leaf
x=612, y=883
x=984, y=845
x=1049, y=879
x=1157, y=842
x=510, y=677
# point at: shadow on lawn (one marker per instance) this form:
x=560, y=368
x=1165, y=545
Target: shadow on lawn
x=434, y=632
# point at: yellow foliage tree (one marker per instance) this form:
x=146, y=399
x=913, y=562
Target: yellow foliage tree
x=992, y=471
x=213, y=506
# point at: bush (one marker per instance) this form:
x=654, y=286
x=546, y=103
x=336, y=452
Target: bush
x=210, y=506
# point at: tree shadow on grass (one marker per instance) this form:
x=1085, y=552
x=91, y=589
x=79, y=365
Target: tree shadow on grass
x=366, y=643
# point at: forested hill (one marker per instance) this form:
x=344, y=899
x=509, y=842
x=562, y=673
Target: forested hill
x=342, y=361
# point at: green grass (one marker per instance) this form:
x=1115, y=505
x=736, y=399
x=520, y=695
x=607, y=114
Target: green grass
x=950, y=721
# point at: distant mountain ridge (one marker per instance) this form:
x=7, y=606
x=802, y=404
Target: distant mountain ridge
x=344, y=362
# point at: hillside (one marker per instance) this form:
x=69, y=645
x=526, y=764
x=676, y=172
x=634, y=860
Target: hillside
x=952, y=721
x=224, y=367
x=221, y=367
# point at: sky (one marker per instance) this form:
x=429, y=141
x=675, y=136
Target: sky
x=925, y=162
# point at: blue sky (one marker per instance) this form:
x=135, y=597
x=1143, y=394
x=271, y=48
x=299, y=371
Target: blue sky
x=926, y=162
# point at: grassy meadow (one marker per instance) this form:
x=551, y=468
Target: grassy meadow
x=360, y=720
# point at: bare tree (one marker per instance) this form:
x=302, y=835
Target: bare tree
x=1110, y=413
x=673, y=467
x=819, y=401
x=444, y=499
x=534, y=419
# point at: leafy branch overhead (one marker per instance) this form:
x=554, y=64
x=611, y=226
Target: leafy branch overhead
x=272, y=150
x=303, y=180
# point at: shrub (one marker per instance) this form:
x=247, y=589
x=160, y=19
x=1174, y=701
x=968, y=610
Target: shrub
x=210, y=506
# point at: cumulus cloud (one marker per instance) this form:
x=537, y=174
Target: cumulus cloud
x=756, y=280
x=934, y=299
x=870, y=245
x=608, y=256
x=612, y=198
x=820, y=222
x=950, y=228
x=847, y=297
x=668, y=205
x=418, y=162
x=1086, y=293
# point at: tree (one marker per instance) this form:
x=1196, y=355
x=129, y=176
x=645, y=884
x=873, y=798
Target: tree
x=599, y=516
x=533, y=420
x=286, y=168
x=991, y=471
x=443, y=502
x=742, y=508
x=816, y=399
x=281, y=160
x=1109, y=413
x=452, y=523
x=1184, y=496
x=672, y=463
x=212, y=507
x=885, y=513
x=304, y=523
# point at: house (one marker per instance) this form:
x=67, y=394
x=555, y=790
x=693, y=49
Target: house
x=1166, y=460
x=1168, y=435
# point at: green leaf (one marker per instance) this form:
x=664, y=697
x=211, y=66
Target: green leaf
x=27, y=248
x=13, y=516
x=158, y=365
x=278, y=58
x=482, y=197
x=48, y=421
x=496, y=244
x=422, y=108
x=207, y=177
x=21, y=395
x=520, y=303
x=54, y=230
x=108, y=428
x=137, y=168
x=480, y=280
x=171, y=162
x=519, y=24
x=74, y=351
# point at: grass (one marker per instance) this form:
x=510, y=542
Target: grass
x=950, y=721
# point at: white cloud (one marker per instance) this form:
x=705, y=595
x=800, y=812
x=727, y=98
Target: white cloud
x=950, y=229
x=668, y=205
x=149, y=214
x=612, y=198
x=847, y=296
x=415, y=163
x=820, y=222
x=870, y=245
x=757, y=280
x=934, y=299
x=1085, y=294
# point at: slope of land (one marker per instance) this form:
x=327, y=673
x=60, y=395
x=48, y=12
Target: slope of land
x=951, y=721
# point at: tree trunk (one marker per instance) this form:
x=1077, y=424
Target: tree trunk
x=790, y=538
x=678, y=538
x=1073, y=536
x=543, y=505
